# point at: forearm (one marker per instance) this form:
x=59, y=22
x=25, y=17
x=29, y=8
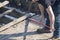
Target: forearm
x=51, y=16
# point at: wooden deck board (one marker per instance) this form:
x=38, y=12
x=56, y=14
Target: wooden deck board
x=6, y=12
x=12, y=23
x=4, y=3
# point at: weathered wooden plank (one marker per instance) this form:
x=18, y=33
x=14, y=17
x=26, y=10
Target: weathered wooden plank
x=6, y=12
x=8, y=7
x=10, y=17
x=4, y=3
x=13, y=23
x=19, y=11
x=16, y=21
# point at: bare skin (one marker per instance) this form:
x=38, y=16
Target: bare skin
x=41, y=10
x=50, y=13
x=51, y=17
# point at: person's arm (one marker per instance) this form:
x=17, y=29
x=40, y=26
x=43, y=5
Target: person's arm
x=34, y=1
x=51, y=15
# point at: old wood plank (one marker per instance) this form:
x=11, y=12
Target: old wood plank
x=6, y=12
x=4, y=3
x=10, y=17
x=18, y=10
x=8, y=7
x=13, y=23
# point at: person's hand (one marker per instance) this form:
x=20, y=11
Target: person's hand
x=34, y=1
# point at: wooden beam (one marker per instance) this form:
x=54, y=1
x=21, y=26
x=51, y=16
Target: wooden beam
x=4, y=3
x=13, y=23
x=8, y=7
x=17, y=10
x=10, y=17
x=6, y=12
x=16, y=21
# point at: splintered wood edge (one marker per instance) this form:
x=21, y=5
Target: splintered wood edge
x=6, y=12
x=4, y=3
x=12, y=23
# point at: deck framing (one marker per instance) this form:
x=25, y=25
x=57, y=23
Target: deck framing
x=4, y=3
x=13, y=23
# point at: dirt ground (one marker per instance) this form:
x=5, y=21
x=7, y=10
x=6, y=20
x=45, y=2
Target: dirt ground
x=22, y=32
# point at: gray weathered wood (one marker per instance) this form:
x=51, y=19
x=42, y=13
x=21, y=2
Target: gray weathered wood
x=6, y=12
x=13, y=23
x=17, y=10
x=10, y=17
